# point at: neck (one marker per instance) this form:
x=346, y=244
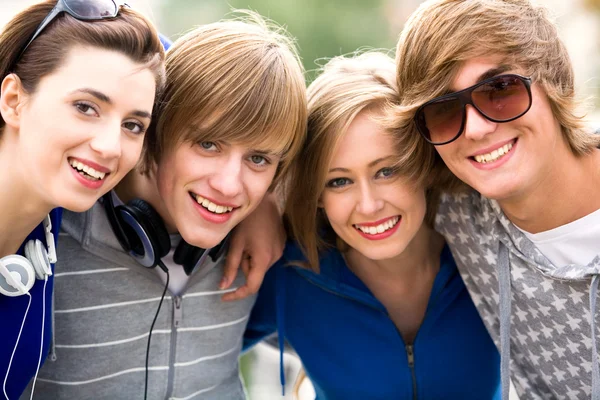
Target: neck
x=136, y=185
x=23, y=208
x=569, y=192
x=419, y=259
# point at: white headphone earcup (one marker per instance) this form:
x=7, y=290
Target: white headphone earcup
x=38, y=255
x=19, y=269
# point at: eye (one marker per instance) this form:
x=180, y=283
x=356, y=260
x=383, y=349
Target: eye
x=134, y=127
x=86, y=108
x=259, y=161
x=338, y=182
x=211, y=146
x=385, y=172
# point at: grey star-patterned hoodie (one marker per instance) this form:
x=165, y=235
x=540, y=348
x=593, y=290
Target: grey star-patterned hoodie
x=540, y=315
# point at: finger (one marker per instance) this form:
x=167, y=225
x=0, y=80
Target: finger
x=232, y=264
x=243, y=291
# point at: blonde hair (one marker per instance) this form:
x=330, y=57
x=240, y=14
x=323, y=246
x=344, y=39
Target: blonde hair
x=346, y=87
x=237, y=80
x=442, y=34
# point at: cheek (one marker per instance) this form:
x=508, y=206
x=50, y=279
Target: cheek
x=131, y=150
x=337, y=209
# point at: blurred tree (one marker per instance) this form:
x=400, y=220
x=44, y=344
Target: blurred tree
x=322, y=28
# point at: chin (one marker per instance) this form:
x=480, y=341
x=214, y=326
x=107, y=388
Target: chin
x=201, y=239
x=77, y=206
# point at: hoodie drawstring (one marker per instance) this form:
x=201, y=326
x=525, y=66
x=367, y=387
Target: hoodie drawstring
x=595, y=368
x=280, y=313
x=504, y=286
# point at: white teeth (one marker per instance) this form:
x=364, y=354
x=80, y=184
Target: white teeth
x=372, y=230
x=210, y=206
x=494, y=155
x=87, y=170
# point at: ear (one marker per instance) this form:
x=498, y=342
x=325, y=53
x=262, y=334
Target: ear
x=11, y=98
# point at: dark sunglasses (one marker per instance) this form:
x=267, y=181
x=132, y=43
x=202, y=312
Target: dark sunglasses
x=84, y=10
x=502, y=98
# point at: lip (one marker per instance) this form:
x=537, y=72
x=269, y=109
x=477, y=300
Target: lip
x=86, y=182
x=382, y=235
x=379, y=222
x=496, y=146
x=210, y=216
x=234, y=206
x=499, y=162
x=92, y=164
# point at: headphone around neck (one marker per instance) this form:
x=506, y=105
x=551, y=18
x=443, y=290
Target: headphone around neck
x=141, y=232
x=18, y=273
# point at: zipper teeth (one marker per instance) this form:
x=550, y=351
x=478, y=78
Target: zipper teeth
x=173, y=346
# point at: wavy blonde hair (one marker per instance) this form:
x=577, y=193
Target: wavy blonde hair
x=347, y=86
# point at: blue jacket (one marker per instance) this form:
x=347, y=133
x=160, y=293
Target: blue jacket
x=12, y=310
x=351, y=349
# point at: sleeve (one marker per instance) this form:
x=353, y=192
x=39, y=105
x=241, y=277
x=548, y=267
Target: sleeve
x=166, y=42
x=263, y=318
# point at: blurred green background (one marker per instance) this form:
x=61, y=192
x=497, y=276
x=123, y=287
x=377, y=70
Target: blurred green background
x=322, y=28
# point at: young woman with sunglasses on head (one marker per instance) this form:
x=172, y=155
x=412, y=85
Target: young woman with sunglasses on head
x=79, y=79
x=389, y=315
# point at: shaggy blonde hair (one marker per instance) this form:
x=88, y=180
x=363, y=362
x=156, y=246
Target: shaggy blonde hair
x=238, y=80
x=442, y=34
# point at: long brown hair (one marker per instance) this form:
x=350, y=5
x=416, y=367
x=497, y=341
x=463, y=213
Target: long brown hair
x=129, y=33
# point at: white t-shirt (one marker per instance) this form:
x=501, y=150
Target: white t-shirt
x=177, y=276
x=577, y=242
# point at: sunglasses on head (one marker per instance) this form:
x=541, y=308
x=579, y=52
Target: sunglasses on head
x=83, y=10
x=502, y=98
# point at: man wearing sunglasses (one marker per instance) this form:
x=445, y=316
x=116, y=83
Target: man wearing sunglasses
x=487, y=87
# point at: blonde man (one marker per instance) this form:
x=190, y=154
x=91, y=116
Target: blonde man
x=232, y=118
x=487, y=86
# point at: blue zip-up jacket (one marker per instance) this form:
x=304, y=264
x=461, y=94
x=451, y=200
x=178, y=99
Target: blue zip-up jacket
x=12, y=310
x=351, y=349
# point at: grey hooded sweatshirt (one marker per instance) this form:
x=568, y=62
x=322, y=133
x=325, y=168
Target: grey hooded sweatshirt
x=540, y=315
x=104, y=303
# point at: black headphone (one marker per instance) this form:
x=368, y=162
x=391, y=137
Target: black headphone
x=142, y=233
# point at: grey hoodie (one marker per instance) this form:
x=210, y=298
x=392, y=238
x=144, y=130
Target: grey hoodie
x=104, y=303
x=537, y=313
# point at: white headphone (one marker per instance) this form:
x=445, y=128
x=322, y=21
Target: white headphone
x=18, y=273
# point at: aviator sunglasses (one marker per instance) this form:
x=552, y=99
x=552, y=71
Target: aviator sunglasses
x=83, y=10
x=502, y=98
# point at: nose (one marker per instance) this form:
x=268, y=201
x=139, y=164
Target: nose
x=107, y=142
x=227, y=179
x=368, y=203
x=477, y=126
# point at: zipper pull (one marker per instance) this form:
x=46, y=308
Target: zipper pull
x=411, y=355
x=177, y=311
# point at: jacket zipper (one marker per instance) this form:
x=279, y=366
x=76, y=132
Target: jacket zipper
x=177, y=318
x=410, y=353
x=410, y=350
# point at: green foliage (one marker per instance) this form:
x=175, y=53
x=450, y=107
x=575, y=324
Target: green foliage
x=323, y=28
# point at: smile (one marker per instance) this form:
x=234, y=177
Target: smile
x=370, y=229
x=86, y=171
x=494, y=155
x=210, y=206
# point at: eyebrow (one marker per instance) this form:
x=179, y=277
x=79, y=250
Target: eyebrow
x=490, y=73
x=105, y=99
x=371, y=164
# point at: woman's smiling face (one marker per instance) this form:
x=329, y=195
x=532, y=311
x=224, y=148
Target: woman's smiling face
x=368, y=204
x=82, y=129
